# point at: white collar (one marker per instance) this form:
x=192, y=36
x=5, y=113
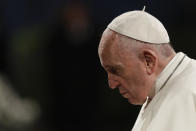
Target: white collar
x=168, y=71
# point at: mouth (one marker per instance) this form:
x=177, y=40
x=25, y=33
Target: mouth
x=124, y=94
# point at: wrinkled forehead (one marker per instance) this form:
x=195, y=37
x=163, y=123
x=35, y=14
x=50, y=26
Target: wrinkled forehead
x=107, y=41
x=106, y=47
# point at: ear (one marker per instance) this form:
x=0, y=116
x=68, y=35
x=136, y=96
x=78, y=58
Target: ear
x=149, y=59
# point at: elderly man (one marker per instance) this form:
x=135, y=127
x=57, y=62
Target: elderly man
x=136, y=53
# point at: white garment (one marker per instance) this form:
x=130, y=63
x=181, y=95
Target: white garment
x=173, y=108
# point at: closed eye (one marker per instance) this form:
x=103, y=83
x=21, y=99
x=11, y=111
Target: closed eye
x=113, y=70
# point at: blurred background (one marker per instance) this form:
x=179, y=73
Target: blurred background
x=50, y=75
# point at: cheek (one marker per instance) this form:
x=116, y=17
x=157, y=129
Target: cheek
x=136, y=82
x=136, y=77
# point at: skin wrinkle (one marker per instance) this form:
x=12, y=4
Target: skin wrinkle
x=119, y=56
x=164, y=50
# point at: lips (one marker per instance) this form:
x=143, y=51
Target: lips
x=124, y=94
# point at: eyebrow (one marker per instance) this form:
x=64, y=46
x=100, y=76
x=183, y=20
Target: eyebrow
x=115, y=66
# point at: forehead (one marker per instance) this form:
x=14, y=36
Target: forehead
x=115, y=42
x=109, y=51
x=106, y=42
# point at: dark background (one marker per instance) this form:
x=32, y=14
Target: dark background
x=48, y=52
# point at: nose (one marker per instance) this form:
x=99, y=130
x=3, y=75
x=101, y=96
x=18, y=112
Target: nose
x=113, y=84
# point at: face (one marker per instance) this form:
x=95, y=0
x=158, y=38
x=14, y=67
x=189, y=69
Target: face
x=125, y=70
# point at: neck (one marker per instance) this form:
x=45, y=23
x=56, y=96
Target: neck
x=161, y=66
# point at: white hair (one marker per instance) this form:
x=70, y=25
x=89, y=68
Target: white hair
x=165, y=49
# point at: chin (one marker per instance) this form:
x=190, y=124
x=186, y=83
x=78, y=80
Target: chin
x=136, y=102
